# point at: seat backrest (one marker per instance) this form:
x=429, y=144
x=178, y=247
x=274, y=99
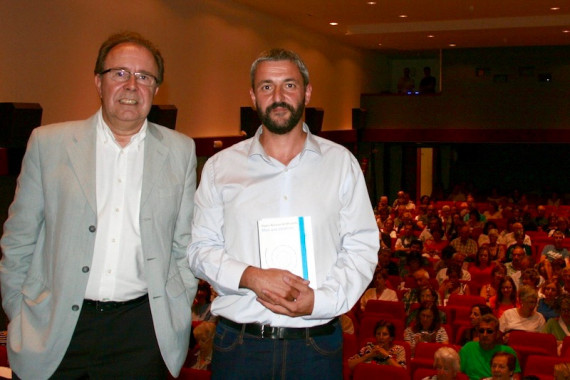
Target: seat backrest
x=367, y=371
x=538, y=365
x=194, y=374
x=390, y=308
x=465, y=300
x=427, y=350
x=534, y=339
x=349, y=346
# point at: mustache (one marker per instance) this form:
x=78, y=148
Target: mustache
x=280, y=104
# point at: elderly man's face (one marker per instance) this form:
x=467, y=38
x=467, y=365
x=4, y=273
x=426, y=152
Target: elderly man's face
x=125, y=105
x=518, y=254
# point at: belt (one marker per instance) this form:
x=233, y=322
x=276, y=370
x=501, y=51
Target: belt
x=112, y=305
x=270, y=332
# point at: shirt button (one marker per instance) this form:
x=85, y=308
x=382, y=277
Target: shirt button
x=92, y=228
x=75, y=307
x=285, y=197
x=85, y=269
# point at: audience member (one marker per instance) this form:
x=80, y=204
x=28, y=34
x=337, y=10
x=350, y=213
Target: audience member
x=482, y=266
x=379, y=292
x=516, y=265
x=530, y=277
x=406, y=84
x=458, y=259
x=561, y=225
x=497, y=251
x=202, y=303
x=427, y=328
x=560, y=326
x=503, y=366
x=453, y=284
x=386, y=264
x=505, y=299
x=421, y=278
x=523, y=317
x=472, y=334
x=201, y=356
x=540, y=220
x=510, y=238
x=428, y=298
x=428, y=82
x=447, y=364
x=562, y=371
x=554, y=251
x=464, y=243
x=406, y=236
x=492, y=211
x=565, y=276
x=484, y=237
x=476, y=356
x=384, y=352
x=389, y=229
x=519, y=242
x=498, y=274
x=548, y=304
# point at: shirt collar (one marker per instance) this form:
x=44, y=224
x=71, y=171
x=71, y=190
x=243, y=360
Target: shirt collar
x=311, y=144
x=105, y=134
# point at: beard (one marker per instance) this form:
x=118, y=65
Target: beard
x=287, y=125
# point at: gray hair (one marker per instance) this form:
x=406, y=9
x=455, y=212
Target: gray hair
x=448, y=356
x=526, y=291
x=280, y=55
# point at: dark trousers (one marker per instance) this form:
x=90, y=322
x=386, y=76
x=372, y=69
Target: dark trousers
x=117, y=343
x=238, y=356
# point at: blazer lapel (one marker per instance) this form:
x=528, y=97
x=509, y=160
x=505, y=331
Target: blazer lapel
x=155, y=153
x=81, y=151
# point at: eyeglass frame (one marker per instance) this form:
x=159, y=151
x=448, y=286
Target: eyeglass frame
x=130, y=74
x=488, y=331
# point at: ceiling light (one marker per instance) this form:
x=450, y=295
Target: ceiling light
x=566, y=31
x=403, y=16
x=333, y=23
x=430, y=36
x=379, y=44
x=371, y=2
x=555, y=8
x=452, y=45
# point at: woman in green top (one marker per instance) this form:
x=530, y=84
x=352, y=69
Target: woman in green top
x=560, y=327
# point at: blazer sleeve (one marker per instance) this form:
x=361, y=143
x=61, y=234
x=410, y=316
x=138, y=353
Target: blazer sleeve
x=23, y=230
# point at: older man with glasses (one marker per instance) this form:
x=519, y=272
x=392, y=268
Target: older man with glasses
x=476, y=356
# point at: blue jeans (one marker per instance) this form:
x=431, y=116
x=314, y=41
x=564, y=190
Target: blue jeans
x=242, y=356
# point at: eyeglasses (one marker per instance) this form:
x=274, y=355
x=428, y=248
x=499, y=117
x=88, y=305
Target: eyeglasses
x=488, y=331
x=122, y=75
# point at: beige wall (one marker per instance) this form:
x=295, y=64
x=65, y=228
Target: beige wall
x=48, y=50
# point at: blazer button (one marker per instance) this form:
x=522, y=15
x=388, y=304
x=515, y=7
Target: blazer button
x=85, y=269
x=75, y=307
x=92, y=228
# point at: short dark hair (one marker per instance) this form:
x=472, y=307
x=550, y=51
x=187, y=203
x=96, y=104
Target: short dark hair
x=134, y=38
x=280, y=55
x=389, y=325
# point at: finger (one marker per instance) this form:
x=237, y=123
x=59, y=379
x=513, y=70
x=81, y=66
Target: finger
x=278, y=309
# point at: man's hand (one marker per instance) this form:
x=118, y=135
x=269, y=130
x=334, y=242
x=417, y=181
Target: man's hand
x=302, y=305
x=279, y=290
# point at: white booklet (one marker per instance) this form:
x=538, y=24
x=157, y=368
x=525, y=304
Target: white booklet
x=287, y=243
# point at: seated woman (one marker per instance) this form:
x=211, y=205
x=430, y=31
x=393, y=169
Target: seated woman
x=428, y=298
x=489, y=290
x=427, y=328
x=435, y=245
x=503, y=366
x=547, y=306
x=453, y=283
x=384, y=351
x=525, y=316
x=380, y=292
x=505, y=299
x=481, y=268
x=560, y=327
x=202, y=303
x=447, y=363
x=472, y=334
x=201, y=355
x=497, y=251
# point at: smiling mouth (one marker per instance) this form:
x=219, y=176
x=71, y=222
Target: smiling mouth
x=128, y=101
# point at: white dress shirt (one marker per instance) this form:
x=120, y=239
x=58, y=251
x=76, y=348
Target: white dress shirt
x=242, y=184
x=116, y=272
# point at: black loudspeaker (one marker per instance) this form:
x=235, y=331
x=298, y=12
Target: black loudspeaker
x=358, y=118
x=248, y=120
x=314, y=119
x=164, y=115
x=17, y=120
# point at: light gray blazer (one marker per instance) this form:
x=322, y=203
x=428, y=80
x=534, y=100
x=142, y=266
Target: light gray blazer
x=50, y=233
